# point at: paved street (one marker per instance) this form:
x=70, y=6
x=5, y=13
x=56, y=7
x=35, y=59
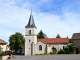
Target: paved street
x=48, y=57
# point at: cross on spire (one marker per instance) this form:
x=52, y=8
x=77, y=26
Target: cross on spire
x=31, y=10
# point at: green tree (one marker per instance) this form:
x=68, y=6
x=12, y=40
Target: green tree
x=16, y=41
x=71, y=49
x=0, y=50
x=41, y=35
x=70, y=41
x=58, y=36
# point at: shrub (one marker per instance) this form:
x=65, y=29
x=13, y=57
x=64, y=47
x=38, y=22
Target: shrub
x=60, y=51
x=36, y=54
x=51, y=53
x=66, y=50
x=6, y=53
x=71, y=49
x=0, y=51
x=45, y=53
x=41, y=54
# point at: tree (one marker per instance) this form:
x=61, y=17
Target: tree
x=71, y=49
x=0, y=50
x=70, y=41
x=16, y=41
x=58, y=36
x=41, y=35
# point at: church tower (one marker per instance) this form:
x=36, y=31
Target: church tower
x=30, y=37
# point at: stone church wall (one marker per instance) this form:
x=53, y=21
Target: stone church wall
x=37, y=51
x=76, y=43
x=57, y=46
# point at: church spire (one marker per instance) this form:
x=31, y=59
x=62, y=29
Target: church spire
x=31, y=21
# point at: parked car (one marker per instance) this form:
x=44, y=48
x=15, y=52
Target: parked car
x=20, y=52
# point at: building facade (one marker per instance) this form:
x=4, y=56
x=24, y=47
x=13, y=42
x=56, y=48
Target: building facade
x=30, y=37
x=39, y=46
x=3, y=45
x=76, y=41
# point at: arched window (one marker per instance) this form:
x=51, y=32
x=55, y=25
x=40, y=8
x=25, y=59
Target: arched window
x=29, y=40
x=40, y=47
x=54, y=49
x=29, y=32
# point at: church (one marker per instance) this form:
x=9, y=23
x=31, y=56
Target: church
x=39, y=46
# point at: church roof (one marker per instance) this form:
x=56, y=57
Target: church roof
x=2, y=41
x=31, y=22
x=76, y=36
x=54, y=40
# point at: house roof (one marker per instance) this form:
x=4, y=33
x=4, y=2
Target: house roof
x=54, y=40
x=76, y=36
x=31, y=22
x=2, y=41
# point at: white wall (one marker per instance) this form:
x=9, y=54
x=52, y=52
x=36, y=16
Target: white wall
x=33, y=33
x=47, y=48
x=3, y=47
x=57, y=46
x=37, y=51
x=32, y=37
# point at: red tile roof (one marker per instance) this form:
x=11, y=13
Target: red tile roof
x=54, y=40
x=2, y=41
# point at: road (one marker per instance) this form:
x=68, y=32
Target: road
x=48, y=57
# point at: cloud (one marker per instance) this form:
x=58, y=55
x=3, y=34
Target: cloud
x=13, y=18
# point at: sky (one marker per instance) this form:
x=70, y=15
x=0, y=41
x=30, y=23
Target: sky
x=51, y=16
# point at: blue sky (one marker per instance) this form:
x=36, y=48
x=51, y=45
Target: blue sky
x=52, y=16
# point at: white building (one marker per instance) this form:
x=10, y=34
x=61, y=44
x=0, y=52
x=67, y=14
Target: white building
x=3, y=45
x=37, y=46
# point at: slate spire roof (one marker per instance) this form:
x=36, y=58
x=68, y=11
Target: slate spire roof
x=31, y=22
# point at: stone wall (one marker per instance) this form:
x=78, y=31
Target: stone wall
x=57, y=46
x=29, y=39
x=44, y=48
x=76, y=43
x=48, y=48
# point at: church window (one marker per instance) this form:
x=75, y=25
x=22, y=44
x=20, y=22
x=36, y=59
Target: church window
x=40, y=47
x=54, y=49
x=29, y=40
x=63, y=47
x=29, y=32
